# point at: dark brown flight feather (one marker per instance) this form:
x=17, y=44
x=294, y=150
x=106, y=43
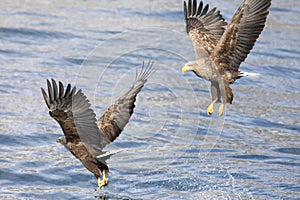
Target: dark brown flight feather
x=241, y=33
x=204, y=28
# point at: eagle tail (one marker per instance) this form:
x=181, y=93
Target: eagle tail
x=249, y=74
x=108, y=154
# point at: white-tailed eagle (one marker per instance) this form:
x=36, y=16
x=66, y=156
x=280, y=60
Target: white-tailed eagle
x=219, y=50
x=84, y=135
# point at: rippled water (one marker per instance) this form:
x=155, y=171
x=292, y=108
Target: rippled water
x=170, y=149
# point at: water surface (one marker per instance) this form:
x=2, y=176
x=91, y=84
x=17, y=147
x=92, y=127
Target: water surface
x=171, y=148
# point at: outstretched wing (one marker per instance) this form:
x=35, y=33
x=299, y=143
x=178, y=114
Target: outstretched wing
x=72, y=111
x=204, y=27
x=113, y=121
x=241, y=33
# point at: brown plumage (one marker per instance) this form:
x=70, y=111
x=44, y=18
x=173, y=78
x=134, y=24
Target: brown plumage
x=219, y=51
x=84, y=136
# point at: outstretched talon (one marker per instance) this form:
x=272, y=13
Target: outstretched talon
x=102, y=183
x=210, y=109
x=221, y=109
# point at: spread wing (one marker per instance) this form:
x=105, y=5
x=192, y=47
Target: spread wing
x=71, y=109
x=242, y=32
x=204, y=27
x=113, y=121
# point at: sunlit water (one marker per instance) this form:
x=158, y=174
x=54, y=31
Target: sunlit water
x=170, y=149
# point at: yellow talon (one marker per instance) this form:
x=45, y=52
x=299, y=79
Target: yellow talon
x=102, y=183
x=221, y=109
x=210, y=109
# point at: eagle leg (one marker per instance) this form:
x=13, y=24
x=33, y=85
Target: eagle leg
x=210, y=108
x=104, y=182
x=227, y=97
x=221, y=109
x=215, y=96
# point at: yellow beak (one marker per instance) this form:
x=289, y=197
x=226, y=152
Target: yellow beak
x=183, y=69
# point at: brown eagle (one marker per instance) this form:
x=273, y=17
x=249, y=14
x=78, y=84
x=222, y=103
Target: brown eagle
x=219, y=51
x=84, y=136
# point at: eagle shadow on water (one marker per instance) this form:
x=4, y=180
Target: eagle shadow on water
x=84, y=135
x=220, y=51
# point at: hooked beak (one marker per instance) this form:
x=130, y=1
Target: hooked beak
x=184, y=69
x=61, y=140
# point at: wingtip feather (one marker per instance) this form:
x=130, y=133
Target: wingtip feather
x=55, y=89
x=50, y=90
x=46, y=98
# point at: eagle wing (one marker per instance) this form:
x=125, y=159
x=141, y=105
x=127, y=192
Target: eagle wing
x=241, y=33
x=71, y=109
x=204, y=27
x=113, y=121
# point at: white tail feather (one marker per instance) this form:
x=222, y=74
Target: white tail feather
x=109, y=153
x=250, y=74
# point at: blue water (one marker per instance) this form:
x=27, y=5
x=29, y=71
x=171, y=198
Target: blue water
x=170, y=149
